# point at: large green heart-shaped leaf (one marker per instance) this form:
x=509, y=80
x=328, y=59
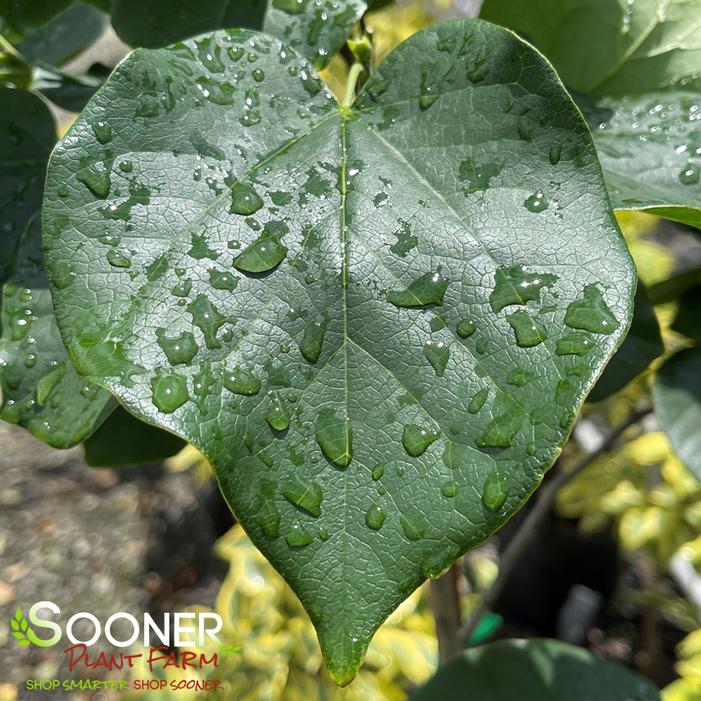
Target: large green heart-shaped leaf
x=677, y=395
x=611, y=47
x=377, y=321
x=534, y=670
x=40, y=388
x=315, y=28
x=650, y=149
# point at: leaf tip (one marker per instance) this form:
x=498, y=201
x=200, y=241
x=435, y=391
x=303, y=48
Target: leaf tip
x=343, y=651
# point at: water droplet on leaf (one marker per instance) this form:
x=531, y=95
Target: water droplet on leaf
x=169, y=391
x=591, y=313
x=466, y=328
x=244, y=199
x=207, y=318
x=97, y=179
x=575, y=343
x=265, y=253
x=437, y=353
x=335, y=438
x=375, y=517
x=449, y=489
x=416, y=439
x=478, y=400
x=303, y=494
x=411, y=530
x=494, y=492
x=500, y=431
x=515, y=286
x=528, y=333
x=269, y=518
x=278, y=416
x=179, y=349
x=426, y=290
x=241, y=381
x=690, y=175
x=222, y=280
x=313, y=340
x=102, y=131
x=298, y=536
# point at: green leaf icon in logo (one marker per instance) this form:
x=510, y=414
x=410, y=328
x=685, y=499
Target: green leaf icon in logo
x=24, y=634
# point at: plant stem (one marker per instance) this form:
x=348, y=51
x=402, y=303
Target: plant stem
x=355, y=70
x=535, y=518
x=445, y=604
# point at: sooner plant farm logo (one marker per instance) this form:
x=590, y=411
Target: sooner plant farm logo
x=181, y=629
x=164, y=642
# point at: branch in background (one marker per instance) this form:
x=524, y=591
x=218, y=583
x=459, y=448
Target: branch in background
x=445, y=604
x=534, y=520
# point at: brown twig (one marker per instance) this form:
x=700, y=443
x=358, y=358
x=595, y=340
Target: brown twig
x=445, y=604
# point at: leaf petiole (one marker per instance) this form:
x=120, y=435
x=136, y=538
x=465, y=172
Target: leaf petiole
x=355, y=70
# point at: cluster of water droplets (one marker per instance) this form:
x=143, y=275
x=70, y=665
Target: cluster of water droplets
x=669, y=123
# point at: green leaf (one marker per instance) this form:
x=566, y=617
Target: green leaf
x=650, y=150
x=642, y=345
x=316, y=29
x=534, y=670
x=40, y=388
x=643, y=57
x=27, y=135
x=124, y=440
x=675, y=286
x=398, y=215
x=688, y=319
x=66, y=35
x=677, y=397
x=23, y=14
x=611, y=47
x=71, y=92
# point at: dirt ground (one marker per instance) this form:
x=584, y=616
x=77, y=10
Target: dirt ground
x=99, y=540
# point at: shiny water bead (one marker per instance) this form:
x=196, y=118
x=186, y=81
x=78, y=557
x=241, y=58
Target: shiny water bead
x=424, y=291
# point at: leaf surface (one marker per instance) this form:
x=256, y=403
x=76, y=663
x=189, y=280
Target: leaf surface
x=40, y=387
x=677, y=397
x=611, y=47
x=316, y=29
x=27, y=135
x=534, y=670
x=377, y=322
x=650, y=150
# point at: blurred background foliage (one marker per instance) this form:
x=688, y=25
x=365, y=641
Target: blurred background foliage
x=641, y=490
